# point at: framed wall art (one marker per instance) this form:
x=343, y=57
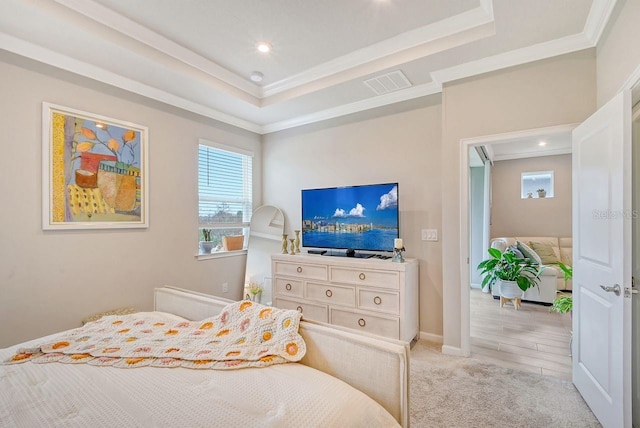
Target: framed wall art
x=95, y=171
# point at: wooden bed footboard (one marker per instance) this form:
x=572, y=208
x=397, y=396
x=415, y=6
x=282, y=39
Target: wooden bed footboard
x=377, y=366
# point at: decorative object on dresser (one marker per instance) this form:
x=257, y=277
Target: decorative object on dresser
x=370, y=295
x=297, y=241
x=398, y=248
x=285, y=244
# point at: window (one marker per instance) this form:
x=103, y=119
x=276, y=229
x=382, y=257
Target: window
x=224, y=194
x=537, y=185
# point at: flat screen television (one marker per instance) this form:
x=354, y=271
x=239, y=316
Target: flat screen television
x=353, y=218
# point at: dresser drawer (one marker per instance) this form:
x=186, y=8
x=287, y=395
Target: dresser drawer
x=388, y=327
x=309, y=310
x=332, y=294
x=380, y=301
x=301, y=270
x=367, y=277
x=289, y=287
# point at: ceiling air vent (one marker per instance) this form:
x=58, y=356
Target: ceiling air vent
x=389, y=82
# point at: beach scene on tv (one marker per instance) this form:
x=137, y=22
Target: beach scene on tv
x=358, y=217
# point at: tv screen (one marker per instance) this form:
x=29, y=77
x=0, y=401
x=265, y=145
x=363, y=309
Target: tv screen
x=355, y=217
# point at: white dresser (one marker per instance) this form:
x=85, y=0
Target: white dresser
x=372, y=295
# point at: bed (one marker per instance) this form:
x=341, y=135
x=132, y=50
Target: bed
x=344, y=379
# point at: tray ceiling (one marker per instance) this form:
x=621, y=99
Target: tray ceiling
x=199, y=54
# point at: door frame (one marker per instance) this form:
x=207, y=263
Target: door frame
x=465, y=145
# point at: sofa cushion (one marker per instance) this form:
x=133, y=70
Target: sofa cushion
x=551, y=240
x=515, y=251
x=499, y=244
x=545, y=251
x=566, y=251
x=528, y=252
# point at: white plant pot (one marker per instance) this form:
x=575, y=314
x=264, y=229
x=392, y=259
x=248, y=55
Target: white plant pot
x=510, y=289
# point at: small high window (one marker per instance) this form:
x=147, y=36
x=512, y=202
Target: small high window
x=537, y=184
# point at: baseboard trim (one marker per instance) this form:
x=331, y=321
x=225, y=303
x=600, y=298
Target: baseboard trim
x=455, y=351
x=430, y=337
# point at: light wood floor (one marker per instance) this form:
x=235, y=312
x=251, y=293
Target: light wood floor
x=530, y=339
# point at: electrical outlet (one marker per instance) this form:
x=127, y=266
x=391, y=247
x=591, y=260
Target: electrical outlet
x=429, y=234
x=225, y=287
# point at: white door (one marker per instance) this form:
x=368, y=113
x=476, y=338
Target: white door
x=602, y=258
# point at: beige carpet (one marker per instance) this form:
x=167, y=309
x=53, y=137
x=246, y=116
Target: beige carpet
x=460, y=392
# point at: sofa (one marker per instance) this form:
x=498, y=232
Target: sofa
x=547, y=251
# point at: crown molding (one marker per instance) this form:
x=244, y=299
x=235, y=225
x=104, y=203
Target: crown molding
x=513, y=58
x=38, y=53
x=419, y=36
x=142, y=34
x=598, y=18
x=355, y=107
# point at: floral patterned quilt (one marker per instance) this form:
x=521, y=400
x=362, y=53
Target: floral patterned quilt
x=244, y=334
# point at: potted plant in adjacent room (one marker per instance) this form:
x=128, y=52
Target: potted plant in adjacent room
x=564, y=303
x=206, y=244
x=511, y=274
x=542, y=193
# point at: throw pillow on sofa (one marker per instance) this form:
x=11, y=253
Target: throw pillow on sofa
x=528, y=252
x=515, y=251
x=546, y=253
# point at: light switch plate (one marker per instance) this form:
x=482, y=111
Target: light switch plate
x=429, y=234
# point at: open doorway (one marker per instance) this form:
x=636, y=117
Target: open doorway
x=505, y=173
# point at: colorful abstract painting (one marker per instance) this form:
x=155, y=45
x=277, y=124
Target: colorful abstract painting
x=94, y=171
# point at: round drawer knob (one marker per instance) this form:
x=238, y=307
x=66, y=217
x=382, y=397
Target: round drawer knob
x=299, y=308
x=362, y=322
x=377, y=300
x=287, y=287
x=329, y=293
x=299, y=270
x=362, y=276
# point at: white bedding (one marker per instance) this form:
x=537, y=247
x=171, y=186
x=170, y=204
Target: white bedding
x=80, y=395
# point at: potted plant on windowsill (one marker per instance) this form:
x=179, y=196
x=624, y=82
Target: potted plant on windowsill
x=542, y=193
x=510, y=273
x=206, y=245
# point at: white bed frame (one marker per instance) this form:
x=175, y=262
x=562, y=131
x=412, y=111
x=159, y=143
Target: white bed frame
x=376, y=366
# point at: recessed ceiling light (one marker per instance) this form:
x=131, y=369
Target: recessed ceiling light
x=264, y=47
x=542, y=143
x=256, y=76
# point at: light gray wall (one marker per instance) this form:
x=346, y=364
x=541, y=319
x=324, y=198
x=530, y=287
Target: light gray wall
x=50, y=280
x=513, y=216
x=551, y=92
x=476, y=223
x=618, y=51
x=392, y=146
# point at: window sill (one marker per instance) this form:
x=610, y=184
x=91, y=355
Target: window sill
x=221, y=254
